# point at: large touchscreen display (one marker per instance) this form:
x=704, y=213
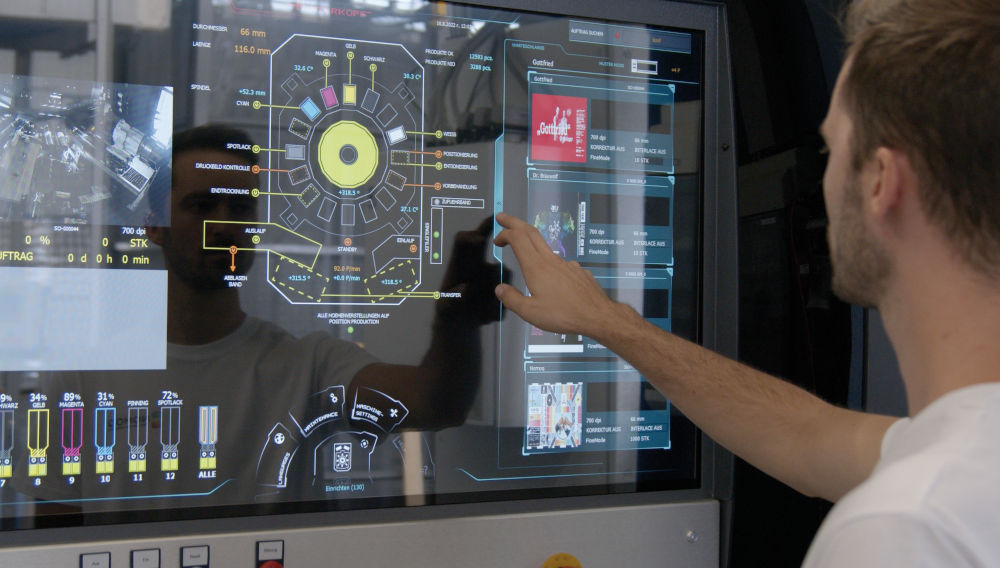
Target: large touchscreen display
x=253, y=270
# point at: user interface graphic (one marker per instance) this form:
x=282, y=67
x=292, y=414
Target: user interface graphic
x=297, y=308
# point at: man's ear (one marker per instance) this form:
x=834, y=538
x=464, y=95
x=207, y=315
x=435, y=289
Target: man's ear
x=894, y=182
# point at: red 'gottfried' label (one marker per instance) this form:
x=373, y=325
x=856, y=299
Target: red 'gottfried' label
x=558, y=128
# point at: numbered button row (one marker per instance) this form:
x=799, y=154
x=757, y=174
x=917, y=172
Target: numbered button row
x=269, y=554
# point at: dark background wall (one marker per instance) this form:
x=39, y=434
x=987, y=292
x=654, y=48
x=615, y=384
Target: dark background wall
x=786, y=54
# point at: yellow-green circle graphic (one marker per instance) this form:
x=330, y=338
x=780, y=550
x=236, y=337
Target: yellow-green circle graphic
x=347, y=154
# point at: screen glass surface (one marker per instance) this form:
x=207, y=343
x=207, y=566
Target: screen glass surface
x=246, y=261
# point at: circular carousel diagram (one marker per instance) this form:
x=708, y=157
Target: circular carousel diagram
x=344, y=171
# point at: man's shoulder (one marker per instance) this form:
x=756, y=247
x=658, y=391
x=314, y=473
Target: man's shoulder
x=940, y=459
x=930, y=509
x=935, y=482
x=925, y=483
x=924, y=510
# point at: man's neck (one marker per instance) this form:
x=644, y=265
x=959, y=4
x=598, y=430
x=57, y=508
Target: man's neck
x=197, y=317
x=944, y=320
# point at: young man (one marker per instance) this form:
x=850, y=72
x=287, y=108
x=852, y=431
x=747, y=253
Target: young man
x=912, y=189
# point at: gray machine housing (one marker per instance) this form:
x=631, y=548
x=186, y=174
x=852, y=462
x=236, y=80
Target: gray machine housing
x=676, y=528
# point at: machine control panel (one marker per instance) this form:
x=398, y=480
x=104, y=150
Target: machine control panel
x=649, y=532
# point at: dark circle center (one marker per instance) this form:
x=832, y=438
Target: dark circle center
x=348, y=154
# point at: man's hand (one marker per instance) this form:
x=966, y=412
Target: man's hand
x=564, y=298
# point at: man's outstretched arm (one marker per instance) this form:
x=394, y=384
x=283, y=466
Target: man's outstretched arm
x=815, y=447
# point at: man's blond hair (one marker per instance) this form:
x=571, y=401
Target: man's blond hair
x=925, y=79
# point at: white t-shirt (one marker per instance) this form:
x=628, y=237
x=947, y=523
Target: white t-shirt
x=934, y=496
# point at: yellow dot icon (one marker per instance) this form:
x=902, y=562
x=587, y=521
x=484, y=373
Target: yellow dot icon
x=372, y=67
x=350, y=55
x=256, y=105
x=255, y=192
x=255, y=149
x=326, y=63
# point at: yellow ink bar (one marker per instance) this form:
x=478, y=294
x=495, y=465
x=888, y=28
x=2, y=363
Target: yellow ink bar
x=105, y=466
x=37, y=466
x=70, y=467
